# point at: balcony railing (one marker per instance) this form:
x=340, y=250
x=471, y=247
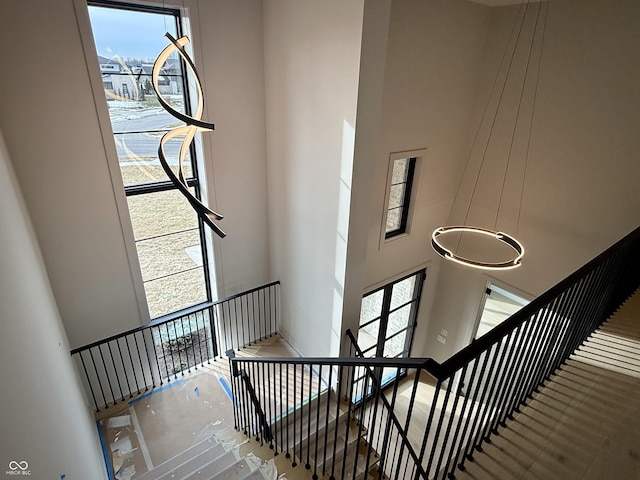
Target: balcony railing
x=136, y=361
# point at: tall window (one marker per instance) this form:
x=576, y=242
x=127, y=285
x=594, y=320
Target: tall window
x=169, y=236
x=402, y=173
x=388, y=319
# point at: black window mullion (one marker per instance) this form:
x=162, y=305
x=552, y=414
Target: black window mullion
x=154, y=187
x=400, y=307
x=135, y=7
x=362, y=325
x=417, y=295
x=384, y=319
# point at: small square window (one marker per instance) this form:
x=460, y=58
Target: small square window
x=402, y=173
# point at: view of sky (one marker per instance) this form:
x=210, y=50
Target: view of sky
x=130, y=34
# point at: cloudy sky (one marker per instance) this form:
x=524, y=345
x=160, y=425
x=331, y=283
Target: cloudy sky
x=130, y=34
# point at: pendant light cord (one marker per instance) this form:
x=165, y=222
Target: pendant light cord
x=484, y=113
x=533, y=109
x=495, y=116
x=486, y=106
x=517, y=119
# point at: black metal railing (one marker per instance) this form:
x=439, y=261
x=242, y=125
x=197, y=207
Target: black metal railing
x=494, y=376
x=300, y=408
x=133, y=362
x=464, y=400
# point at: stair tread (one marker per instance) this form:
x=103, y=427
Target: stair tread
x=183, y=457
x=194, y=462
x=351, y=446
x=237, y=470
x=212, y=468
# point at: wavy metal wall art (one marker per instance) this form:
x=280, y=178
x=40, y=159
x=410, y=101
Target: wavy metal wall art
x=193, y=124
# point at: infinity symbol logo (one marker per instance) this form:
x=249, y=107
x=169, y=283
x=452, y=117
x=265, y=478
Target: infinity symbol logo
x=13, y=465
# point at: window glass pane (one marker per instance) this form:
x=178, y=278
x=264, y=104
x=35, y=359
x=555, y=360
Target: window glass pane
x=388, y=374
x=394, y=220
x=368, y=337
x=168, y=254
x=160, y=213
x=142, y=113
x=403, y=292
x=395, y=346
x=175, y=292
x=398, y=320
x=371, y=306
x=400, y=168
x=140, y=35
x=399, y=196
x=138, y=156
x=396, y=198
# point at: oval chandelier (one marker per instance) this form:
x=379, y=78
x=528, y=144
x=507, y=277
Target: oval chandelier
x=499, y=236
x=492, y=233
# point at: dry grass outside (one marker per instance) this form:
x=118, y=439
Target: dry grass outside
x=165, y=228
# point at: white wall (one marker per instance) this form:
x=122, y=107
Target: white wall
x=581, y=187
x=229, y=49
x=44, y=419
x=52, y=131
x=431, y=72
x=312, y=54
x=375, y=37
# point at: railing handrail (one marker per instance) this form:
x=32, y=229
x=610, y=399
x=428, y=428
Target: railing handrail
x=172, y=316
x=409, y=362
x=496, y=334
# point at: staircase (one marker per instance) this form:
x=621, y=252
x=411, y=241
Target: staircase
x=585, y=422
x=312, y=431
x=212, y=459
x=324, y=442
x=552, y=392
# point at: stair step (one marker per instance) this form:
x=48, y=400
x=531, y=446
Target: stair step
x=361, y=456
x=255, y=475
x=301, y=411
x=212, y=468
x=236, y=471
x=194, y=463
x=181, y=458
x=343, y=430
x=307, y=421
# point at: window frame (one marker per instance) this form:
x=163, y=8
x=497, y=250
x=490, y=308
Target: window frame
x=406, y=198
x=194, y=181
x=409, y=197
x=386, y=310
